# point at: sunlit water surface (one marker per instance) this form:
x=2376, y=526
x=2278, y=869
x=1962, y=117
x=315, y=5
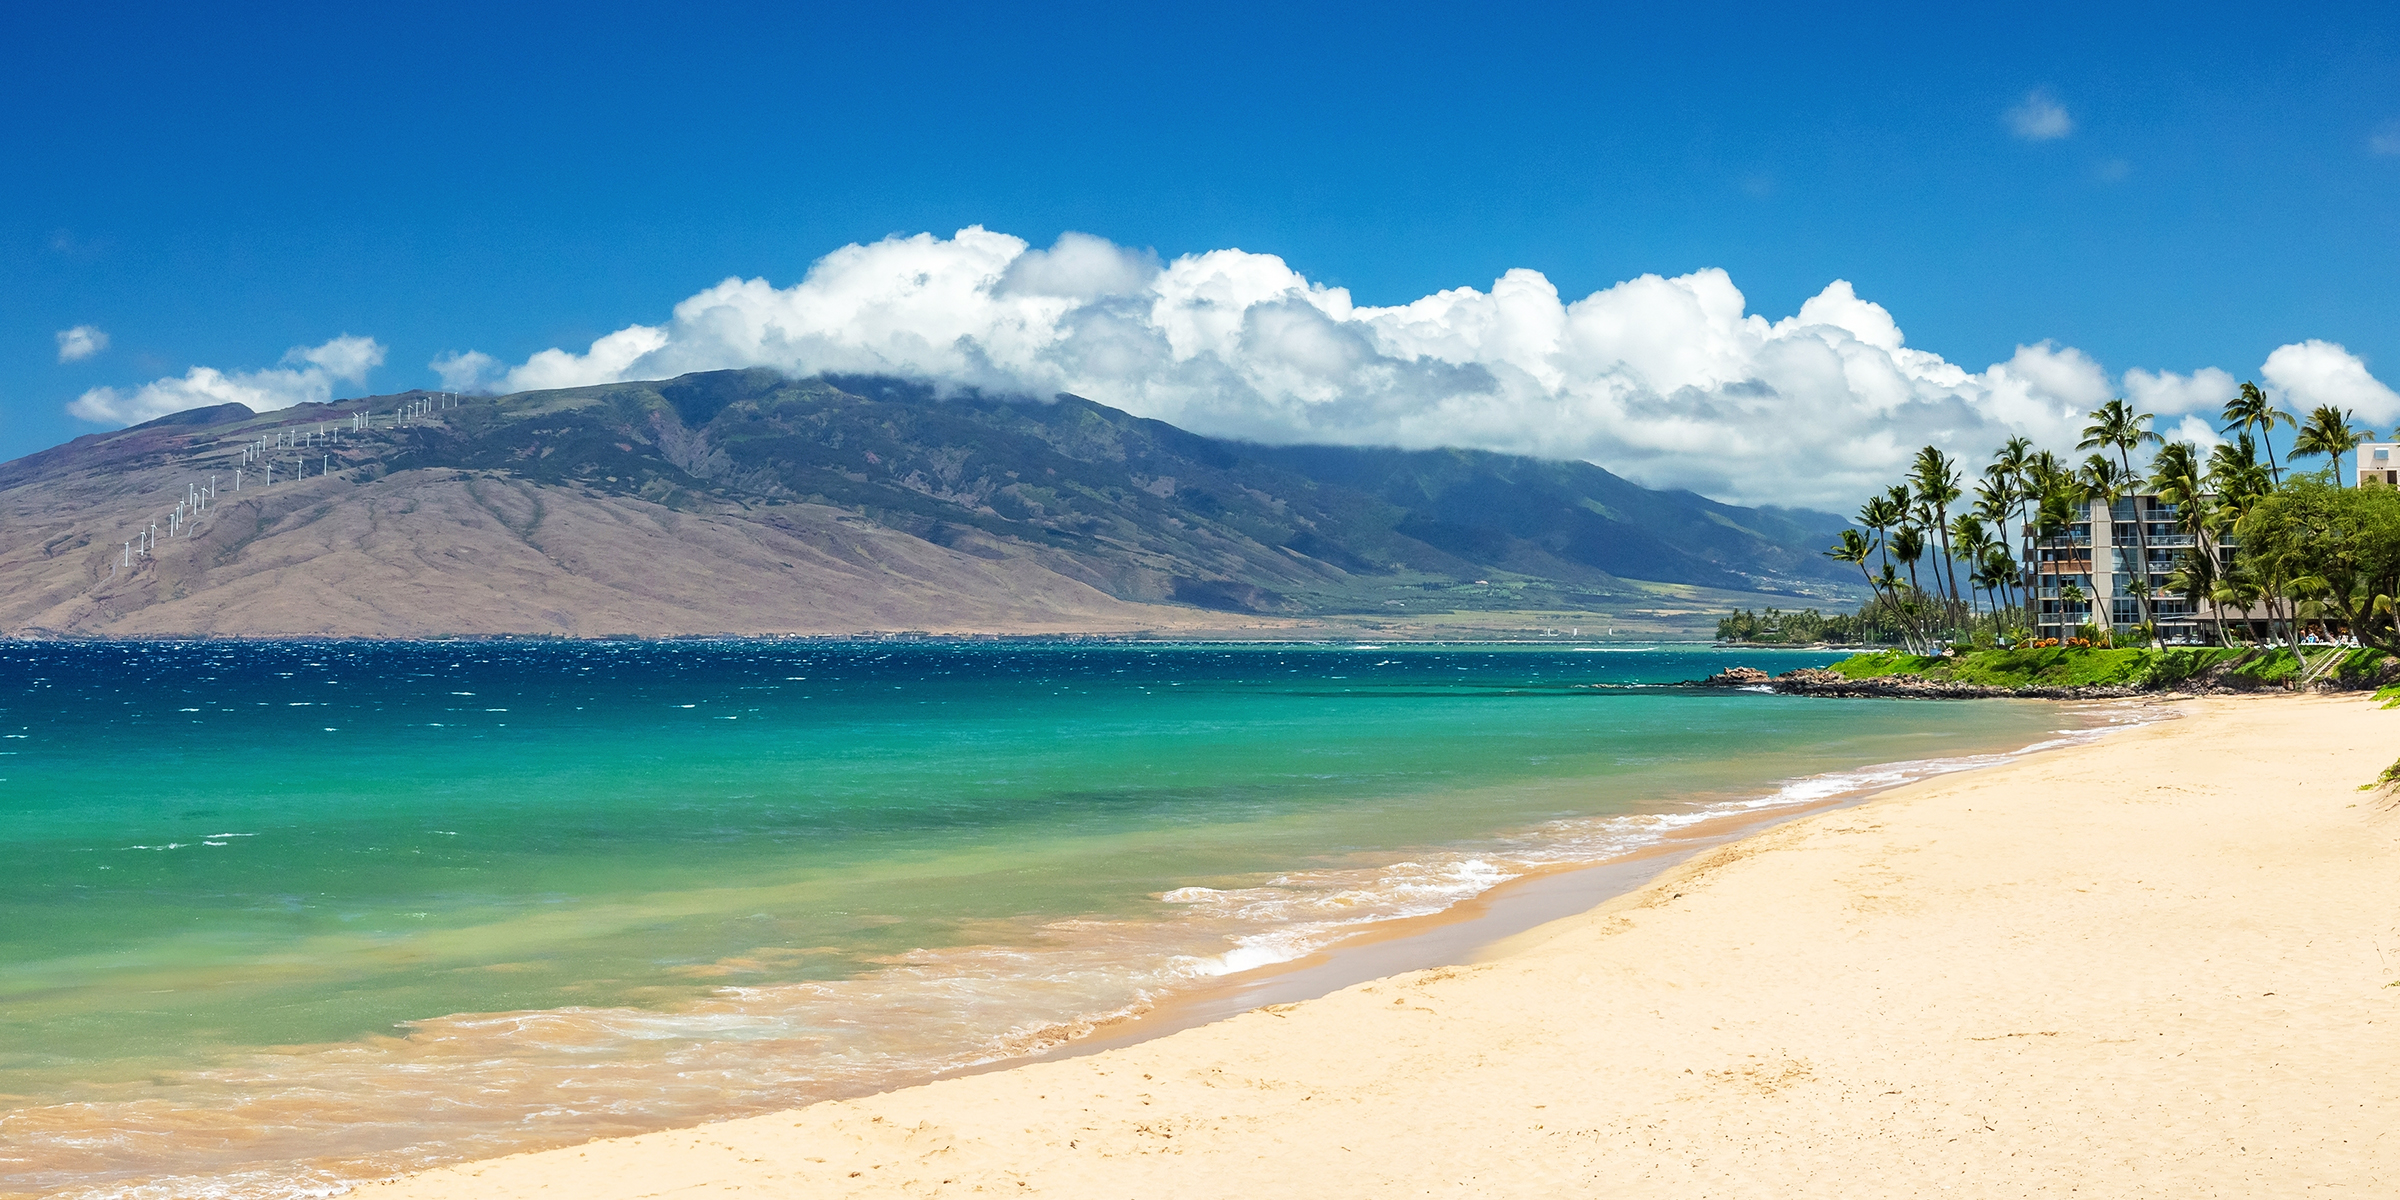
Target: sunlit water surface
x=280, y=915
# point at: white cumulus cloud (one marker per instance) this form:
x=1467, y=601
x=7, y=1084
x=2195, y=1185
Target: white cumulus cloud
x=1669, y=381
x=2187, y=406
x=81, y=342
x=465, y=372
x=305, y=375
x=2039, y=117
x=2313, y=373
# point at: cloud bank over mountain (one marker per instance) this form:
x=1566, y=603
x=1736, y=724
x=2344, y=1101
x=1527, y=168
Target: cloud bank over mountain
x=1671, y=382
x=306, y=376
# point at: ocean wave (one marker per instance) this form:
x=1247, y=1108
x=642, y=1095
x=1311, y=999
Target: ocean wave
x=475, y=1085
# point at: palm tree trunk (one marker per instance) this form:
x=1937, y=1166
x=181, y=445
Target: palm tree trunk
x=1941, y=513
x=1915, y=611
x=1877, y=592
x=2141, y=545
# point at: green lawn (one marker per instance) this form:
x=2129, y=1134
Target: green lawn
x=2064, y=666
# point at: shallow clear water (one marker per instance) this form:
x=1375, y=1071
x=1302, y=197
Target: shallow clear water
x=280, y=914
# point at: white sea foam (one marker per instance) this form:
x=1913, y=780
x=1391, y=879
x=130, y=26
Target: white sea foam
x=480, y=1084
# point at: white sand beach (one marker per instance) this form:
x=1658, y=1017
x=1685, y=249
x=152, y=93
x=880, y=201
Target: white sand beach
x=2163, y=964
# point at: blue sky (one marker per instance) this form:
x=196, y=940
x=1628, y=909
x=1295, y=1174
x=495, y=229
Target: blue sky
x=2163, y=188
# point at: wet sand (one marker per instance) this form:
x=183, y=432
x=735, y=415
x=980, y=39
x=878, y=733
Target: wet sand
x=2163, y=964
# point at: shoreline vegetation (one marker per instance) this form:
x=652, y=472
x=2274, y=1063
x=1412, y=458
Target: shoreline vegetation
x=2147, y=963
x=2080, y=673
x=2205, y=546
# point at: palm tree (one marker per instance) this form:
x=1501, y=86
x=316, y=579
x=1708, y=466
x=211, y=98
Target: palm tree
x=1967, y=533
x=2328, y=432
x=1908, y=545
x=2240, y=482
x=1854, y=547
x=2236, y=588
x=2010, y=472
x=2177, y=479
x=2104, y=482
x=2116, y=426
x=2237, y=477
x=1903, y=506
x=2054, y=517
x=1995, y=502
x=1936, y=480
x=1889, y=581
x=1879, y=514
x=2000, y=570
x=2252, y=410
x=2195, y=579
x=2070, y=596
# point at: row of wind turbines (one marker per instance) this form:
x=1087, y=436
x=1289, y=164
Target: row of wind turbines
x=262, y=456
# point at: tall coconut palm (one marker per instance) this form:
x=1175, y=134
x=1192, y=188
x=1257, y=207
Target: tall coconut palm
x=2252, y=410
x=2328, y=432
x=1935, y=478
x=2070, y=599
x=2177, y=477
x=2237, y=588
x=1879, y=515
x=2195, y=579
x=1968, y=535
x=2237, y=477
x=2001, y=569
x=1854, y=548
x=2104, y=483
x=2042, y=473
x=2009, y=471
x=2116, y=426
x=1908, y=545
x=2049, y=475
x=1995, y=502
x=2240, y=481
x=2052, y=521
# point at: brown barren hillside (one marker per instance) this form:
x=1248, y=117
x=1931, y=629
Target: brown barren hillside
x=746, y=503
x=439, y=552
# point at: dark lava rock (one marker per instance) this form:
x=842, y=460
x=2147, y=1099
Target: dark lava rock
x=1737, y=677
x=1817, y=681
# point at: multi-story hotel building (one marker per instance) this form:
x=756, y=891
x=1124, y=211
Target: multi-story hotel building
x=2104, y=565
x=2101, y=554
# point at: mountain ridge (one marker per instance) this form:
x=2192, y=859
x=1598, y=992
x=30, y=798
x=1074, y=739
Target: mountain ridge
x=1090, y=518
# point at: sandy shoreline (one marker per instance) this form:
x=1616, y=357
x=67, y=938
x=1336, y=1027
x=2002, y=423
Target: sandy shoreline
x=2159, y=964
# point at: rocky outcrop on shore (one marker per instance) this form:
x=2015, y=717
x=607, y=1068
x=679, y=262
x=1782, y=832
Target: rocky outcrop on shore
x=1736, y=677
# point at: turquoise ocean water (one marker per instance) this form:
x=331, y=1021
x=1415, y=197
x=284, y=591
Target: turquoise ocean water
x=278, y=915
